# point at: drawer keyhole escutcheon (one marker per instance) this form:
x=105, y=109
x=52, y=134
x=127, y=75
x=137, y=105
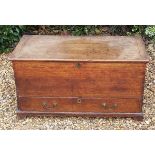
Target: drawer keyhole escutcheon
x=45, y=105
x=79, y=100
x=78, y=65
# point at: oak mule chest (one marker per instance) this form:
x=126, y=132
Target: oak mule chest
x=86, y=76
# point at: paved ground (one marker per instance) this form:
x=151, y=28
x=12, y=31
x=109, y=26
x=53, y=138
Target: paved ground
x=9, y=120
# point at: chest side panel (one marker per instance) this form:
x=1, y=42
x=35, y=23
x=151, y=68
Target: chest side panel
x=87, y=79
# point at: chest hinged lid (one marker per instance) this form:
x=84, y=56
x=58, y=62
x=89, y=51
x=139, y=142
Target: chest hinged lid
x=85, y=48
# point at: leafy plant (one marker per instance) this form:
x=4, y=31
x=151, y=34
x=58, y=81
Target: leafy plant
x=118, y=29
x=138, y=29
x=150, y=32
x=9, y=35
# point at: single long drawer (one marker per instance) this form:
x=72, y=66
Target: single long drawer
x=87, y=79
x=75, y=104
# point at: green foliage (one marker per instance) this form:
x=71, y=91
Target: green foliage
x=119, y=29
x=76, y=30
x=10, y=35
x=138, y=29
x=80, y=30
x=150, y=32
x=84, y=30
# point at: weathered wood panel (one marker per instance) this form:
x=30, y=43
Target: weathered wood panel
x=38, y=78
x=96, y=105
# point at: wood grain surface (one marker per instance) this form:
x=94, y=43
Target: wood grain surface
x=88, y=76
x=123, y=80
x=85, y=48
x=61, y=104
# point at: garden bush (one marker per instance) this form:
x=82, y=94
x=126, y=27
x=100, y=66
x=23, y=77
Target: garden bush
x=10, y=35
x=150, y=32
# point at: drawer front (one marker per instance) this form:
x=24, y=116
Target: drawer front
x=70, y=79
x=79, y=105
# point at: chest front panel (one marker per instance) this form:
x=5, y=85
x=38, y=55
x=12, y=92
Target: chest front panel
x=69, y=79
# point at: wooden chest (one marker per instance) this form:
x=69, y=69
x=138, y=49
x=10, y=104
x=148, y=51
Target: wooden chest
x=91, y=76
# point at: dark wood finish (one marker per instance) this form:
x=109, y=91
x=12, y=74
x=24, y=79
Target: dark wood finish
x=136, y=116
x=86, y=76
x=91, y=79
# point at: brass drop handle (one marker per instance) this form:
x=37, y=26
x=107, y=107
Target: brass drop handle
x=45, y=105
x=114, y=106
x=54, y=104
x=78, y=65
x=104, y=105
